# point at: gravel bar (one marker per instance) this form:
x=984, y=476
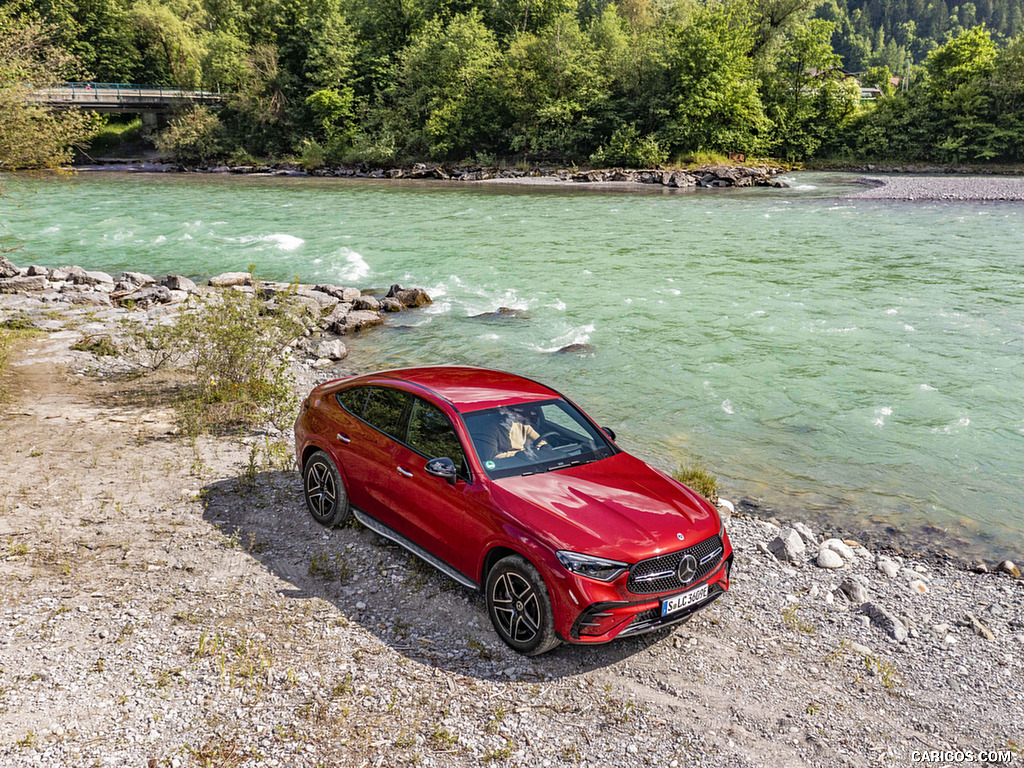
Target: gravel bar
x=941, y=188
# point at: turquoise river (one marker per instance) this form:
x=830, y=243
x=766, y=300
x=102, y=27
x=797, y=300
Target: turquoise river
x=857, y=361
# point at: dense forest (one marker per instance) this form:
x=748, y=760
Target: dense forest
x=894, y=32
x=602, y=82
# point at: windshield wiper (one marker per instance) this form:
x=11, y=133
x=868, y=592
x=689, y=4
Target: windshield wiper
x=565, y=464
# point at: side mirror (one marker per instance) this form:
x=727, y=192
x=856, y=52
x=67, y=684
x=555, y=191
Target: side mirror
x=443, y=467
x=610, y=432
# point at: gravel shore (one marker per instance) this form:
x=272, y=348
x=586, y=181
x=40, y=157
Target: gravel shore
x=900, y=187
x=161, y=605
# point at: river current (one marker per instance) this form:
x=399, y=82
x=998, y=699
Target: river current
x=855, y=360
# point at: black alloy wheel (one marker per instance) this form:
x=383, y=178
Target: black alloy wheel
x=325, y=493
x=519, y=606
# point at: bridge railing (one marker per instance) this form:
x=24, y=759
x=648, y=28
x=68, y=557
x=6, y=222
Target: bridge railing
x=128, y=92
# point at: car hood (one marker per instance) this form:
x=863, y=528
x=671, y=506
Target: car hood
x=619, y=508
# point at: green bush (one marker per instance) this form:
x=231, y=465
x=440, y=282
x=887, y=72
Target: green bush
x=628, y=149
x=694, y=475
x=194, y=136
x=311, y=154
x=231, y=345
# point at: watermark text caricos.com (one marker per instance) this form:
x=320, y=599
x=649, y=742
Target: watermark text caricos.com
x=934, y=756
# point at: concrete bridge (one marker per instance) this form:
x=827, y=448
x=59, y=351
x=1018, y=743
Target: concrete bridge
x=124, y=97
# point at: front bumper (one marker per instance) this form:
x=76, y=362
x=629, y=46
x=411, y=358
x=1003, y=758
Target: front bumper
x=604, y=620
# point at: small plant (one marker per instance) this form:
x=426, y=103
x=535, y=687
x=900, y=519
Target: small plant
x=884, y=669
x=440, y=738
x=497, y=755
x=101, y=346
x=571, y=754
x=694, y=475
x=794, y=622
x=329, y=568
x=495, y=721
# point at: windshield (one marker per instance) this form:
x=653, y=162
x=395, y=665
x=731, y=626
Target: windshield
x=534, y=437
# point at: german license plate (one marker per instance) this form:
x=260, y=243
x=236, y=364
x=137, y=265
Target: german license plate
x=684, y=600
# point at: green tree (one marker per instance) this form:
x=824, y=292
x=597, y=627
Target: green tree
x=446, y=92
x=193, y=137
x=553, y=87
x=715, y=105
x=32, y=136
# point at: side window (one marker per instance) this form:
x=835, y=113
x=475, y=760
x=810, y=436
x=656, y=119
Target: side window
x=353, y=400
x=385, y=410
x=432, y=434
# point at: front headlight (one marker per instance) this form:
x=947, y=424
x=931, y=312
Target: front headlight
x=721, y=523
x=592, y=567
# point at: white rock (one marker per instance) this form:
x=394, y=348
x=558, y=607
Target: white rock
x=888, y=567
x=829, y=558
x=727, y=505
x=840, y=548
x=919, y=586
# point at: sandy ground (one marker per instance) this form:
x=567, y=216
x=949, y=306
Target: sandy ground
x=160, y=605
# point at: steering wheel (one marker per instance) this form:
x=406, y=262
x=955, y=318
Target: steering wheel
x=553, y=433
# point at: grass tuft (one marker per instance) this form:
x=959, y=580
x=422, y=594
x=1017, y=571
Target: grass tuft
x=696, y=476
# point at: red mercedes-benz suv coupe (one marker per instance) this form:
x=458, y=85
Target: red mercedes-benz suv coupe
x=508, y=487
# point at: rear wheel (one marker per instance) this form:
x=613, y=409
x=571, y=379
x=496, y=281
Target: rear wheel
x=519, y=606
x=325, y=493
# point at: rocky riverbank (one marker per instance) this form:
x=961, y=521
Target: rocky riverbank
x=163, y=604
x=711, y=176
x=44, y=296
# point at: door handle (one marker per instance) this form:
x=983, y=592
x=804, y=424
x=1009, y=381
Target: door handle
x=404, y=472
x=344, y=438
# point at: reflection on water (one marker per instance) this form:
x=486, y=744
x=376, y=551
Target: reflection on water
x=829, y=354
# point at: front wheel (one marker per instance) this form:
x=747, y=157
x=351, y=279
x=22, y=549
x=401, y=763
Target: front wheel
x=519, y=606
x=325, y=493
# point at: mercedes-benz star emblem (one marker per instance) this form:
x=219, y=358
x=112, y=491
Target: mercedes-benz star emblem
x=680, y=536
x=687, y=569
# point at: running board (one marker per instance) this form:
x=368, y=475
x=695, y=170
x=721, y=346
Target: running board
x=388, y=532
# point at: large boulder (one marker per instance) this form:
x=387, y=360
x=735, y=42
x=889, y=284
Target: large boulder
x=332, y=349
x=347, y=295
x=391, y=305
x=7, y=269
x=21, y=284
x=229, y=279
x=323, y=301
x=137, y=278
x=92, y=278
x=180, y=283
x=367, y=302
x=147, y=297
x=410, y=297
x=357, y=321
x=787, y=546
x=87, y=298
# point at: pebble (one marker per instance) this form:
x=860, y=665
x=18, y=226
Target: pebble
x=829, y=558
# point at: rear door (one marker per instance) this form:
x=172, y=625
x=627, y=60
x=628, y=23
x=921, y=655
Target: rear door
x=432, y=508
x=366, y=444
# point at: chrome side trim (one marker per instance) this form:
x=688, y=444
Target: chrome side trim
x=388, y=532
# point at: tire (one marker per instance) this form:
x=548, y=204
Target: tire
x=520, y=607
x=326, y=497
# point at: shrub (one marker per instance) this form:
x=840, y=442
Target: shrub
x=192, y=137
x=694, y=475
x=628, y=149
x=311, y=154
x=231, y=345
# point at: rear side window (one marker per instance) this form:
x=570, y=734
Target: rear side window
x=432, y=434
x=386, y=410
x=353, y=400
